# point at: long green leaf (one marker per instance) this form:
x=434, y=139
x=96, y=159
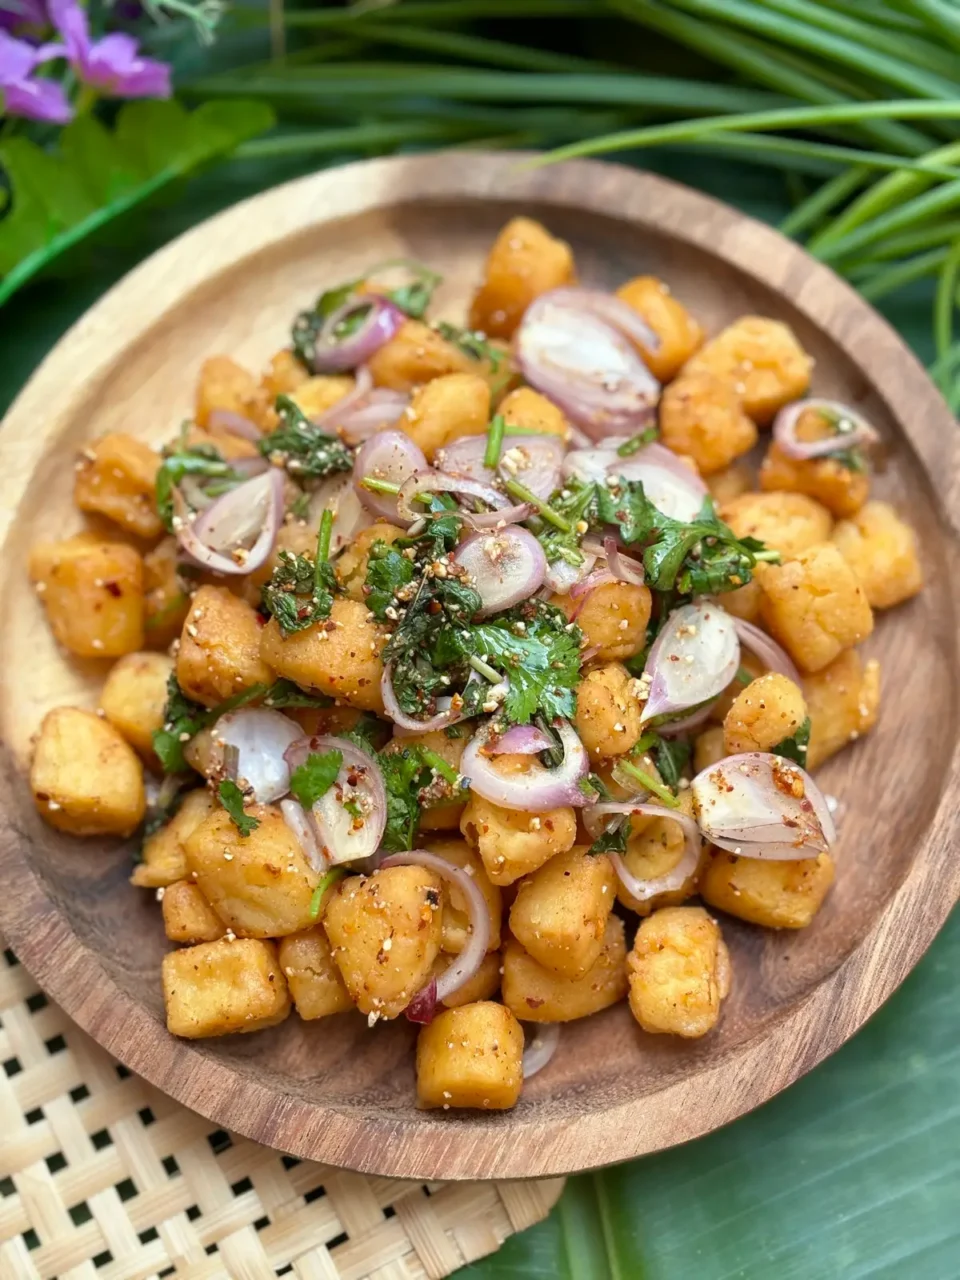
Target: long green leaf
x=61, y=199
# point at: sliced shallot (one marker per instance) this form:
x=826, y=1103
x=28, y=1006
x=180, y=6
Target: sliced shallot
x=585, y=363
x=506, y=566
x=693, y=659
x=345, y=836
x=758, y=805
x=540, y=1044
x=260, y=737
x=678, y=875
x=235, y=423
x=539, y=788
x=236, y=533
x=299, y=822
x=764, y=647
x=333, y=353
x=449, y=710
x=465, y=965
x=521, y=740
x=426, y=480
x=390, y=456
x=561, y=576
x=673, y=487
x=533, y=460
x=851, y=429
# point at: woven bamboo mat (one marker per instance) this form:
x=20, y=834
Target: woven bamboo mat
x=104, y=1178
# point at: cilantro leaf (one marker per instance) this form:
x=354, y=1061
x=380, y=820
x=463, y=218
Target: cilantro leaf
x=636, y=443
x=402, y=775
x=284, y=693
x=577, y=506
x=474, y=345
x=542, y=662
x=795, y=747
x=671, y=756
x=387, y=572
x=613, y=839
x=314, y=778
x=368, y=731
x=301, y=590
x=307, y=324
x=199, y=460
x=306, y=452
x=231, y=797
x=182, y=720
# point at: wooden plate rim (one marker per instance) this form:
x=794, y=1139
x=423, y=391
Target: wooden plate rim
x=479, y=1146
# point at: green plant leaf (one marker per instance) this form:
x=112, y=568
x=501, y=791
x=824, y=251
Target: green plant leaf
x=60, y=198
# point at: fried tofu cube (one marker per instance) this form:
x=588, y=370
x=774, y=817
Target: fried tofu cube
x=385, y=932
x=679, y=971
x=613, y=618
x=608, y=711
x=732, y=482
x=471, y=1056
x=188, y=916
x=318, y=394
x=536, y=994
x=456, y=920
x=764, y=714
x=778, y=895
x=314, y=980
x=339, y=657
x=484, y=984
x=116, y=477
x=527, y=408
x=708, y=748
x=512, y=843
x=445, y=409
x=85, y=779
x=166, y=601
x=224, y=384
x=416, y=354
x=219, y=653
x=134, y=696
x=701, y=417
x=524, y=261
x=219, y=987
x=164, y=859
x=762, y=360
x=882, y=551
x=680, y=335
x=92, y=590
x=814, y=605
x=560, y=912
x=843, y=700
x=260, y=885
x=790, y=523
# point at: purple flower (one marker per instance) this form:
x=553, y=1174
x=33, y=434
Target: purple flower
x=111, y=65
x=22, y=96
x=15, y=14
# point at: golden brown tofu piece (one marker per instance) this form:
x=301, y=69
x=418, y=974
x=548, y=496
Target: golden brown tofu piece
x=188, y=916
x=92, y=590
x=219, y=653
x=608, y=711
x=701, y=417
x=778, y=895
x=613, y=619
x=762, y=360
x=385, y=931
x=134, y=695
x=814, y=605
x=680, y=335
x=708, y=748
x=679, y=971
x=260, y=885
x=116, y=477
x=536, y=994
x=524, y=261
x=314, y=980
x=843, y=700
x=339, y=657
x=790, y=523
x=166, y=599
x=416, y=354
x=446, y=408
x=164, y=860
x=882, y=551
x=484, y=984
x=471, y=1056
x=560, y=912
x=224, y=384
x=512, y=843
x=85, y=779
x=654, y=847
x=218, y=987
x=315, y=396
x=283, y=374
x=732, y=482
x=456, y=930
x=764, y=714
x=525, y=407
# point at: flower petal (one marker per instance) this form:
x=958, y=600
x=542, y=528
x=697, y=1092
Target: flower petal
x=71, y=21
x=37, y=100
x=17, y=59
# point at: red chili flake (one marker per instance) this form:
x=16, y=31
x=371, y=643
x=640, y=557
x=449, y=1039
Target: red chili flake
x=114, y=589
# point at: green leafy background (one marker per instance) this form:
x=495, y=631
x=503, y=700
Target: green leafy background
x=854, y=1172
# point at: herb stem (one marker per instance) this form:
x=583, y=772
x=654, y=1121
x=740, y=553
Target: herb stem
x=494, y=441
x=380, y=486
x=523, y=494
x=326, y=880
x=440, y=766
x=323, y=538
x=646, y=780
x=769, y=556
x=484, y=669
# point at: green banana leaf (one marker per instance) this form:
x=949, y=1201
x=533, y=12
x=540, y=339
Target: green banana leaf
x=854, y=1172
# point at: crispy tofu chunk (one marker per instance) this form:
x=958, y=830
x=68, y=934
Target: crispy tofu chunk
x=219, y=652
x=92, y=590
x=471, y=1056
x=536, y=994
x=116, y=477
x=224, y=986
x=560, y=912
x=315, y=983
x=679, y=971
x=85, y=779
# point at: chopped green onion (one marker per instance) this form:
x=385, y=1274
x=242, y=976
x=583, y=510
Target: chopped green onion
x=494, y=441
x=637, y=442
x=326, y=880
x=440, y=766
x=323, y=538
x=380, y=486
x=656, y=788
x=523, y=494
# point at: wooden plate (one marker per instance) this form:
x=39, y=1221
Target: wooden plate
x=333, y=1091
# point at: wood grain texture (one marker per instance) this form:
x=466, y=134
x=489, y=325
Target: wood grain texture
x=334, y=1091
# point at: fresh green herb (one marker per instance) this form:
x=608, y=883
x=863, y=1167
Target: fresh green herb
x=353, y=808
x=671, y=755
x=306, y=452
x=852, y=459
x=542, y=660
x=744, y=676
x=635, y=443
x=474, y=345
x=308, y=324
x=231, y=797
x=795, y=748
x=543, y=508
x=439, y=766
x=575, y=504
x=299, y=508
x=199, y=460
x=301, y=590
x=314, y=778
x=594, y=785
x=414, y=297
x=167, y=613
x=326, y=880
x=494, y=440
x=182, y=720
x=388, y=571
x=613, y=839
x=649, y=783
x=366, y=734
x=375, y=485
x=402, y=776
x=284, y=693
